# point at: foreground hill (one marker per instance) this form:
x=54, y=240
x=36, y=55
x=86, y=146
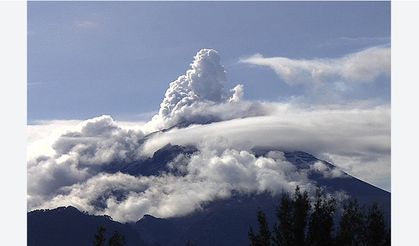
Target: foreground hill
x=68, y=226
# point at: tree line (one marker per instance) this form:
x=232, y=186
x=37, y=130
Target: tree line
x=301, y=223
x=116, y=239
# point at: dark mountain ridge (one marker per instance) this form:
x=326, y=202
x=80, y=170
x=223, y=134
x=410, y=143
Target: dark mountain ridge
x=67, y=226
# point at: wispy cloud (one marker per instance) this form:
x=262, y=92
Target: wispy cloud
x=359, y=67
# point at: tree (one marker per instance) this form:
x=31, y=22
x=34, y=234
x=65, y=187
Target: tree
x=356, y=228
x=292, y=219
x=376, y=232
x=351, y=225
x=254, y=240
x=263, y=238
x=320, y=227
x=100, y=237
x=117, y=239
x=283, y=235
x=301, y=208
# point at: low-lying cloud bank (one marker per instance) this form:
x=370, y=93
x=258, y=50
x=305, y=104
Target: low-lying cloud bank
x=67, y=160
x=353, y=131
x=208, y=175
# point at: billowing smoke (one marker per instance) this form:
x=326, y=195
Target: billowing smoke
x=203, y=82
x=199, y=94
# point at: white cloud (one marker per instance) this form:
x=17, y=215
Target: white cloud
x=293, y=127
x=327, y=171
x=360, y=67
x=99, y=140
x=42, y=135
x=77, y=155
x=373, y=168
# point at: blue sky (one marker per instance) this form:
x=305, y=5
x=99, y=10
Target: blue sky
x=91, y=58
